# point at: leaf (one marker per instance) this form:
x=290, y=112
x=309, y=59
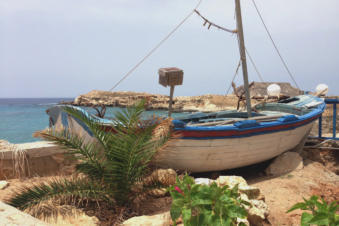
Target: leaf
x=186, y=215
x=300, y=205
x=305, y=219
x=237, y=211
x=320, y=219
x=201, y=202
x=175, y=212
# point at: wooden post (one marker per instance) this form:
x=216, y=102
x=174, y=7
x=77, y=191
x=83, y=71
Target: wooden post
x=170, y=101
x=243, y=56
x=170, y=76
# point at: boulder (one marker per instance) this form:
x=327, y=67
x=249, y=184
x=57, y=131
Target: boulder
x=251, y=192
x=11, y=216
x=258, y=212
x=231, y=181
x=3, y=184
x=77, y=218
x=205, y=181
x=163, y=219
x=285, y=163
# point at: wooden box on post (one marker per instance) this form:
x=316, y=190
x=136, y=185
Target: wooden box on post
x=171, y=76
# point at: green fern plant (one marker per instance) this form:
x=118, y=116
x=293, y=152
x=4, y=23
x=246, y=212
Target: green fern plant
x=112, y=166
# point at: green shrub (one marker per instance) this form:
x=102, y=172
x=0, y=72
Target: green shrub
x=206, y=205
x=322, y=213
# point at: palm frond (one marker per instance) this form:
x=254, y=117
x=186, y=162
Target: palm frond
x=64, y=190
x=88, y=153
x=130, y=117
x=92, y=123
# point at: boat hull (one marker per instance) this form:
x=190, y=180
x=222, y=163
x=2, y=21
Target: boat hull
x=202, y=155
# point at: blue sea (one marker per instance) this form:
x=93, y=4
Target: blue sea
x=21, y=117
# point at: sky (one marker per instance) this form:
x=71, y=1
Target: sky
x=64, y=48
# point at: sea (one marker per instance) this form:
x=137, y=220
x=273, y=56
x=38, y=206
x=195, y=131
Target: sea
x=21, y=117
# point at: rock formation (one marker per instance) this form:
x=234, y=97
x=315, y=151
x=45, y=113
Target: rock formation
x=206, y=103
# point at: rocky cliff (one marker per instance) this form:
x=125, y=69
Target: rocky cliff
x=206, y=103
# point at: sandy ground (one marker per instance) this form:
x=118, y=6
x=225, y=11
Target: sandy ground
x=281, y=193
x=316, y=178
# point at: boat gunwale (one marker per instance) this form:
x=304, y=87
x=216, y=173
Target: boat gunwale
x=201, y=132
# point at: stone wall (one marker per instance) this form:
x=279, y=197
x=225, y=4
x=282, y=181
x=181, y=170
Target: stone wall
x=33, y=159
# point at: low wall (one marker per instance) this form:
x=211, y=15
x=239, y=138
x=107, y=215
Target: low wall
x=33, y=159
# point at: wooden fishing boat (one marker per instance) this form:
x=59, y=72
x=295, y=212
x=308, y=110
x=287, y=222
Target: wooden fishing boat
x=223, y=140
x=226, y=140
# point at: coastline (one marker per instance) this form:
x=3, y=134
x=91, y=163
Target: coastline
x=204, y=103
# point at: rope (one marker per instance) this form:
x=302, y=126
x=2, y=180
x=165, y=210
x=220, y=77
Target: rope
x=235, y=74
x=156, y=47
x=255, y=67
x=275, y=46
x=213, y=24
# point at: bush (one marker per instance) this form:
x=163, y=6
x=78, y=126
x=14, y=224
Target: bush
x=322, y=213
x=206, y=205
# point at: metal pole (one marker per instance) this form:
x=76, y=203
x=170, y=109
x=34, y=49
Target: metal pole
x=320, y=126
x=243, y=56
x=334, y=120
x=170, y=101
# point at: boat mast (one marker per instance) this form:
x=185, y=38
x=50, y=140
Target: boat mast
x=240, y=33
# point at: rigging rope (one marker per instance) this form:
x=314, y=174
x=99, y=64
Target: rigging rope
x=235, y=74
x=275, y=46
x=213, y=24
x=156, y=47
x=255, y=67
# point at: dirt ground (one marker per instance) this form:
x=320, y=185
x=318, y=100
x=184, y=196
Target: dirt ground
x=281, y=193
x=318, y=177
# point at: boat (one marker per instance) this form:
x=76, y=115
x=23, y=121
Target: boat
x=229, y=139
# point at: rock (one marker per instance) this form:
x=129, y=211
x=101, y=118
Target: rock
x=205, y=181
x=3, y=184
x=258, y=212
x=251, y=192
x=231, y=181
x=243, y=187
x=244, y=221
x=206, y=103
x=163, y=219
x=285, y=163
x=79, y=218
x=12, y=217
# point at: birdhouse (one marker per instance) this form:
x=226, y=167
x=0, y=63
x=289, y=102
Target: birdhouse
x=171, y=76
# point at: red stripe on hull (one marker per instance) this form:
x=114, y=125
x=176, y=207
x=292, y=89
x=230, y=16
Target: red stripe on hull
x=230, y=133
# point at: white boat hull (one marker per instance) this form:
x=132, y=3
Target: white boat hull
x=202, y=155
